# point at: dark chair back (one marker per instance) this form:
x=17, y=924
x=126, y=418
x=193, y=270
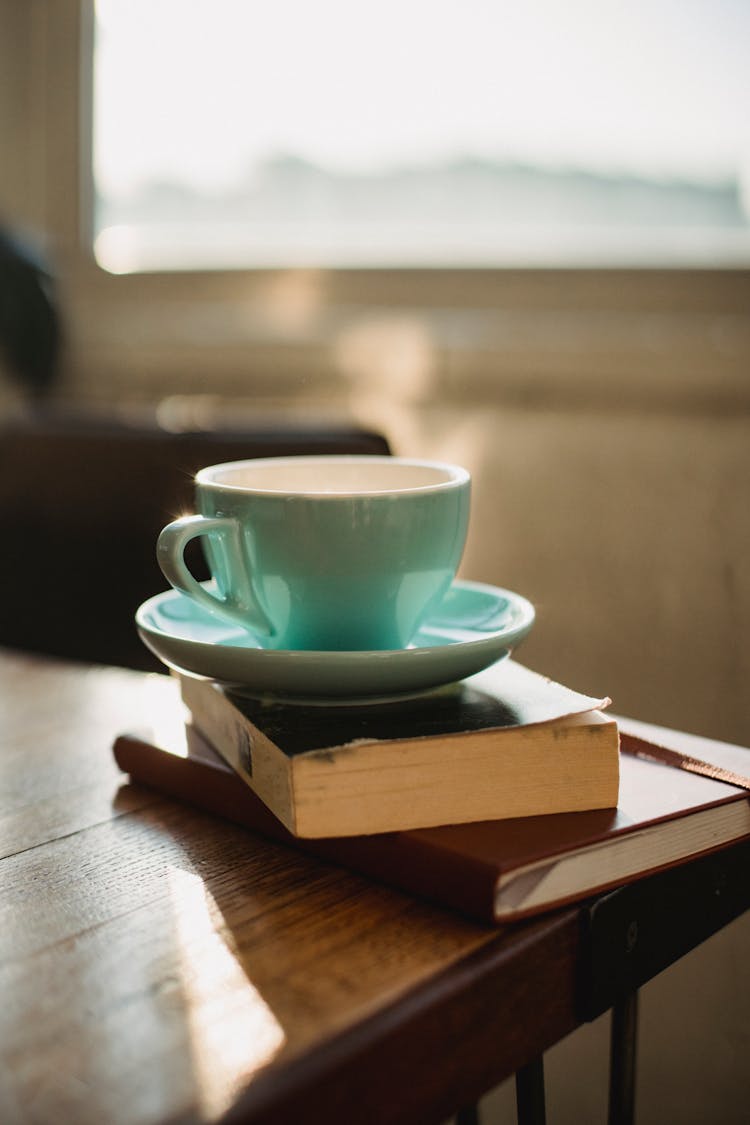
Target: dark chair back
x=81, y=504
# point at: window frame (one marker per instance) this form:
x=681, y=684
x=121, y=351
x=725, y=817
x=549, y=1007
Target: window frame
x=550, y=336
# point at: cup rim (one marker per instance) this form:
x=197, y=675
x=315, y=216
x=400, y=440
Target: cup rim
x=453, y=476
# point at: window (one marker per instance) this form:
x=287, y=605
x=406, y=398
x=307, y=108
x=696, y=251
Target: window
x=567, y=326
x=421, y=133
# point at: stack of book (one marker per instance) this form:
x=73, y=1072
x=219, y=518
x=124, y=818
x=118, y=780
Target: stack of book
x=501, y=796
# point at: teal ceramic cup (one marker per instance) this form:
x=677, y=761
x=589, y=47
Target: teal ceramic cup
x=327, y=553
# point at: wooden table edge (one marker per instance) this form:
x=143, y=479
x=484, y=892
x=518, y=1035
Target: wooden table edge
x=436, y=1048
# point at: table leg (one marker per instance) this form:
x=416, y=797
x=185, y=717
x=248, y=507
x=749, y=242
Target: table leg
x=530, y=1108
x=622, y=1057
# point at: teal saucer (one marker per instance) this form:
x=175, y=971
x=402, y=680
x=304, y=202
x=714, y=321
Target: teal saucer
x=474, y=626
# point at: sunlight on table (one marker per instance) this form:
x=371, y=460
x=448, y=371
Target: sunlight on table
x=232, y=1031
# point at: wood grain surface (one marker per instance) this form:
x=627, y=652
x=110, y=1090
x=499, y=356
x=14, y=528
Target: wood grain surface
x=156, y=963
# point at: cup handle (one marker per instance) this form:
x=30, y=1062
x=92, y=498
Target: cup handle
x=170, y=552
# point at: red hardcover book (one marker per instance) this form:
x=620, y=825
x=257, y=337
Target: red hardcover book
x=509, y=869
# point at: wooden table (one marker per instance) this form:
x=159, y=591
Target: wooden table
x=158, y=965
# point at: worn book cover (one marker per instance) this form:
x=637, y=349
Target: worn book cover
x=504, y=743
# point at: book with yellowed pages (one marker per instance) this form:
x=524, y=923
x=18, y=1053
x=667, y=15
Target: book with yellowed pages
x=506, y=742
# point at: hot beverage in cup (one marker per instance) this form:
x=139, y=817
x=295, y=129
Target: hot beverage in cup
x=325, y=552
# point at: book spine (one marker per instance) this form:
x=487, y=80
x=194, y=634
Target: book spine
x=250, y=753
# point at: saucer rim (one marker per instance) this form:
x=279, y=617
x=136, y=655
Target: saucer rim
x=510, y=634
x=337, y=676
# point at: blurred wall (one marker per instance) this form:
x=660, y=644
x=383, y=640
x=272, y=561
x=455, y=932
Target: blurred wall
x=630, y=531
